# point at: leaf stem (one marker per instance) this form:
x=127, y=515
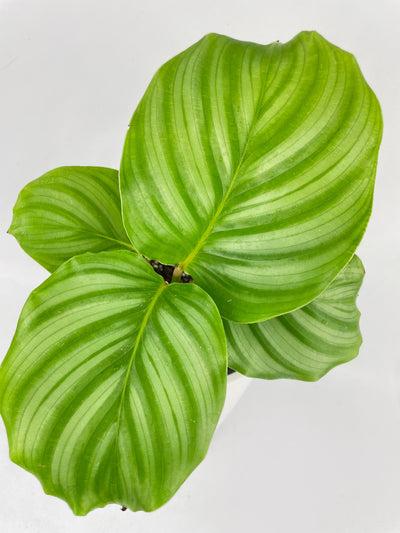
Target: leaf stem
x=177, y=274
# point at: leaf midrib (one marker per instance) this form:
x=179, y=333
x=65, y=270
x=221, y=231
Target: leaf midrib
x=221, y=206
x=89, y=231
x=126, y=244
x=132, y=358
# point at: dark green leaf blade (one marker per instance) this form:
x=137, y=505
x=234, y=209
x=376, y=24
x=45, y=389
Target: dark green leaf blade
x=253, y=167
x=306, y=343
x=114, y=382
x=69, y=211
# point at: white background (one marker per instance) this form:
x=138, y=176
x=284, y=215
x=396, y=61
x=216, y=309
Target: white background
x=292, y=457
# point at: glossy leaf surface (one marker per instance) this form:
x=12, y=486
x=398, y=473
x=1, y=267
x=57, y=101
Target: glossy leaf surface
x=306, y=343
x=253, y=167
x=114, y=382
x=69, y=211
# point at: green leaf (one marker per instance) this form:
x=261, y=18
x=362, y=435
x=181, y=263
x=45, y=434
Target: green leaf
x=306, y=343
x=69, y=211
x=114, y=382
x=253, y=168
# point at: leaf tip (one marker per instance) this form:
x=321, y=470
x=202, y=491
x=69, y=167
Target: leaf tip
x=10, y=229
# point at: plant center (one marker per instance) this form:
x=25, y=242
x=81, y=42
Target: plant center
x=170, y=273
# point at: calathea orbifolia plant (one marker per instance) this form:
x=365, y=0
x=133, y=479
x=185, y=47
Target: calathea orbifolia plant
x=250, y=169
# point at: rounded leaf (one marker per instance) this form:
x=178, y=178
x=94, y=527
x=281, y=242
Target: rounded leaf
x=114, y=382
x=253, y=167
x=306, y=343
x=69, y=211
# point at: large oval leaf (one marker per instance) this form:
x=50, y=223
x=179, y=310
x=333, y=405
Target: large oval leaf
x=306, y=343
x=114, y=382
x=253, y=167
x=69, y=211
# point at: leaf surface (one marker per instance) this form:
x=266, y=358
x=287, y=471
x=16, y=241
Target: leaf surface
x=69, y=211
x=253, y=167
x=114, y=382
x=306, y=343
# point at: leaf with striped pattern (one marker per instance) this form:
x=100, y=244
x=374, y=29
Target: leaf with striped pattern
x=114, y=382
x=253, y=167
x=69, y=211
x=306, y=343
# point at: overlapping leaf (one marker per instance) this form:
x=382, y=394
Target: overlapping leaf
x=253, y=167
x=114, y=382
x=306, y=343
x=69, y=211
